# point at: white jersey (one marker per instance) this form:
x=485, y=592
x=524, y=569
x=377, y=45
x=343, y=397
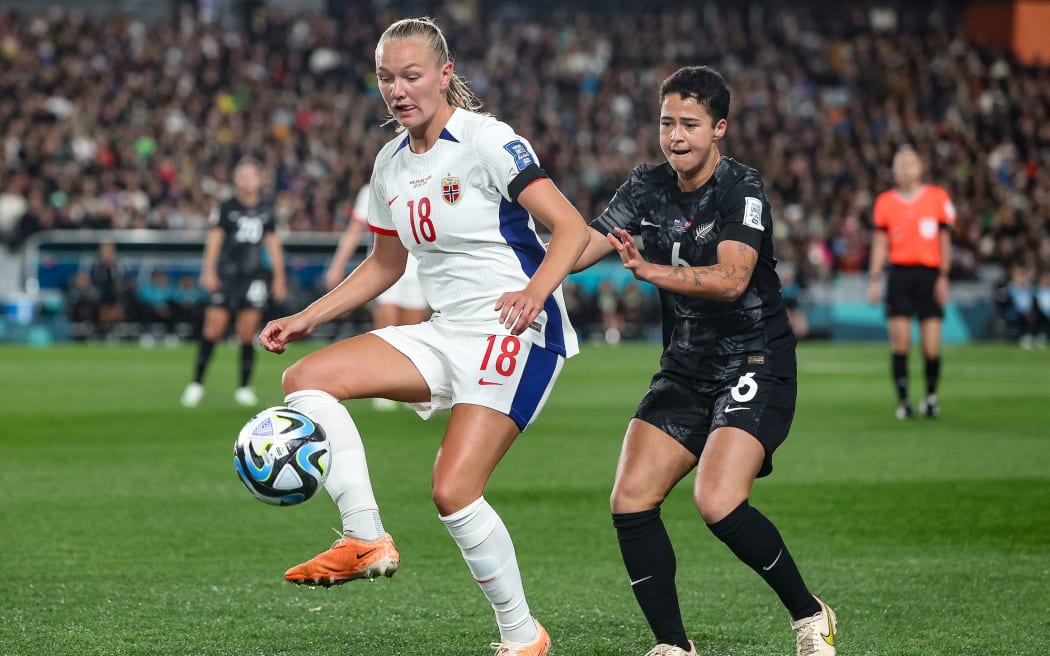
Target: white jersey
x=455, y=208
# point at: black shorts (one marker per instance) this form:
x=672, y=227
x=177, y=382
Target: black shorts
x=909, y=292
x=690, y=410
x=241, y=294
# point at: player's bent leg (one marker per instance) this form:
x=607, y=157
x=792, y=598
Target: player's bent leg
x=651, y=463
x=815, y=635
x=358, y=367
x=728, y=465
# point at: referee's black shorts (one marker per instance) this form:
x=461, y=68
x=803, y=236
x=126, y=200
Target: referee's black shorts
x=690, y=410
x=909, y=292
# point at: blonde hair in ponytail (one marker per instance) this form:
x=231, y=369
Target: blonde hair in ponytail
x=458, y=93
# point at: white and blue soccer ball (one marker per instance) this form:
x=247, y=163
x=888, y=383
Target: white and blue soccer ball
x=282, y=456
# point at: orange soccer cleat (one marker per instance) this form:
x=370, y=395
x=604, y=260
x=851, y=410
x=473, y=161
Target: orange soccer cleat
x=537, y=647
x=348, y=559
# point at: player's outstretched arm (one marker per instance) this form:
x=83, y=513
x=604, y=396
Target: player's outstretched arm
x=377, y=273
x=546, y=204
x=598, y=247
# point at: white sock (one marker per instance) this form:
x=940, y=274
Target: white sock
x=348, y=482
x=489, y=552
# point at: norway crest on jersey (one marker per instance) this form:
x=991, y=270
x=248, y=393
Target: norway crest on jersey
x=450, y=190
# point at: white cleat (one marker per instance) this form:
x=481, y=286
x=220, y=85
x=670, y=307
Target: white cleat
x=815, y=635
x=245, y=396
x=664, y=649
x=192, y=395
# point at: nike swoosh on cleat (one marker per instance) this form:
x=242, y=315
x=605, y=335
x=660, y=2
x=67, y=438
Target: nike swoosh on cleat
x=830, y=638
x=482, y=381
x=362, y=554
x=779, y=554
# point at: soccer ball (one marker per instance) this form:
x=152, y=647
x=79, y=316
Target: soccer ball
x=282, y=456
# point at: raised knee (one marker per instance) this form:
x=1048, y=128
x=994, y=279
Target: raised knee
x=294, y=378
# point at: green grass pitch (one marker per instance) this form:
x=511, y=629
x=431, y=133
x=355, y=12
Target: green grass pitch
x=124, y=530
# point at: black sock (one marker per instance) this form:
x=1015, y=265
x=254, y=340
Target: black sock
x=650, y=561
x=933, y=374
x=755, y=541
x=900, y=375
x=247, y=362
x=203, y=357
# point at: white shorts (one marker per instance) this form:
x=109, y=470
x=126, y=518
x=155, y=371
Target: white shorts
x=499, y=371
x=406, y=292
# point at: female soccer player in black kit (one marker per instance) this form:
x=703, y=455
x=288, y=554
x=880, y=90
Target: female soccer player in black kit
x=236, y=275
x=724, y=396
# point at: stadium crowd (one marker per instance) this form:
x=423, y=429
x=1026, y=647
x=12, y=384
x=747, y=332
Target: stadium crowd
x=112, y=123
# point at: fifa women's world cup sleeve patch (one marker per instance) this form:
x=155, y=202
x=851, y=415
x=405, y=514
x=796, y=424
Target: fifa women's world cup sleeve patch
x=753, y=213
x=508, y=159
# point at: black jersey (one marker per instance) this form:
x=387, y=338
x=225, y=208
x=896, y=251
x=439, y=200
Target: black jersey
x=244, y=229
x=704, y=338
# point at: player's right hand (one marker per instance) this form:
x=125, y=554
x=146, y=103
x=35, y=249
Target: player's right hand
x=209, y=281
x=279, y=333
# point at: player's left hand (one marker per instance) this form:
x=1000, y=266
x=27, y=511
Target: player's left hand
x=633, y=261
x=518, y=309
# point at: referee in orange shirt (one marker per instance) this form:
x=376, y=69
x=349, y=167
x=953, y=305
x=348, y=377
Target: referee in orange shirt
x=913, y=224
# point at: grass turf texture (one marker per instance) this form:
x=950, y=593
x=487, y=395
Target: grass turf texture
x=126, y=531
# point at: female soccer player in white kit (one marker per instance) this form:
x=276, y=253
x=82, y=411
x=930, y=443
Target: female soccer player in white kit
x=459, y=190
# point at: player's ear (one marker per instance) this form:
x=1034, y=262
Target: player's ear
x=720, y=129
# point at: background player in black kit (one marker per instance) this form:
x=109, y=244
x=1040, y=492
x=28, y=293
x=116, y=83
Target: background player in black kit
x=724, y=396
x=238, y=277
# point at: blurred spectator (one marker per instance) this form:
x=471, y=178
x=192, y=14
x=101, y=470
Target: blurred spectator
x=116, y=124
x=188, y=301
x=82, y=302
x=111, y=282
x=154, y=301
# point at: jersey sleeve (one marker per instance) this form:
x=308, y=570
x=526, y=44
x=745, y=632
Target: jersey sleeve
x=378, y=214
x=622, y=211
x=744, y=213
x=359, y=212
x=509, y=162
